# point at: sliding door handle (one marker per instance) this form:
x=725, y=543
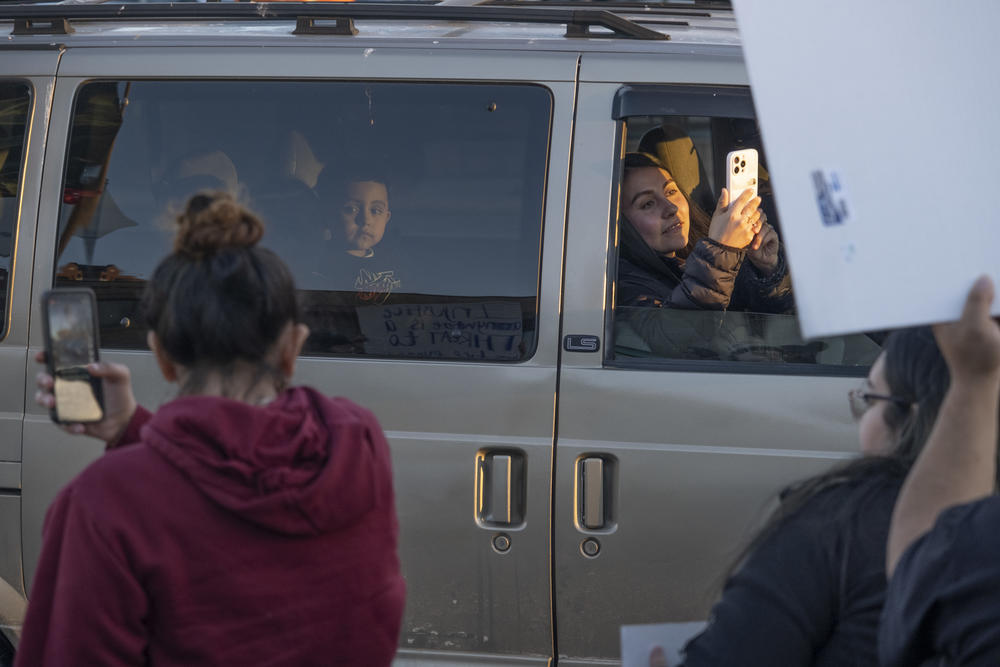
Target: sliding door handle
x=595, y=492
x=592, y=512
x=500, y=488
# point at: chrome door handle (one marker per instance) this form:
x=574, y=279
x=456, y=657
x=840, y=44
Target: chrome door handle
x=500, y=490
x=591, y=497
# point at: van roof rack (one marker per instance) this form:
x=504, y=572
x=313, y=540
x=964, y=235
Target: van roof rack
x=680, y=7
x=33, y=19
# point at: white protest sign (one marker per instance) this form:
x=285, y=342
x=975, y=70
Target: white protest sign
x=487, y=330
x=878, y=120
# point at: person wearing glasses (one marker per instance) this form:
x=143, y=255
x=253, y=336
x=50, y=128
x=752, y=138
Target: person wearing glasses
x=809, y=588
x=944, y=544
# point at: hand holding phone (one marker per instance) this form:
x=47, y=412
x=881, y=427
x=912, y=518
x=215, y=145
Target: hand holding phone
x=69, y=320
x=741, y=172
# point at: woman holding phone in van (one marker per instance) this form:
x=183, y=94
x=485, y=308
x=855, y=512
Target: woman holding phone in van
x=245, y=522
x=658, y=219
x=810, y=587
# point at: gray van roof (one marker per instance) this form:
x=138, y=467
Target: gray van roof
x=495, y=25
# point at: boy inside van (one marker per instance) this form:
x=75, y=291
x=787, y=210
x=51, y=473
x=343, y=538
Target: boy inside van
x=356, y=215
x=351, y=266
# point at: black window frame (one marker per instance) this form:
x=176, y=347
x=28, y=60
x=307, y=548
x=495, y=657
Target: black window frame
x=725, y=101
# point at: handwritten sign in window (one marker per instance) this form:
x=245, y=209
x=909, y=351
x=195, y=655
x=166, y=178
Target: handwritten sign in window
x=489, y=330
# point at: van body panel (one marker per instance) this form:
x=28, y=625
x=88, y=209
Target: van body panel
x=10, y=550
x=351, y=62
x=723, y=68
x=690, y=461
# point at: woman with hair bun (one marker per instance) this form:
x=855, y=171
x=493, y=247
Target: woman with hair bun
x=242, y=523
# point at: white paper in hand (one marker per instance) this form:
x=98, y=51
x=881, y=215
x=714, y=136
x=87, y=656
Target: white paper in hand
x=877, y=120
x=638, y=641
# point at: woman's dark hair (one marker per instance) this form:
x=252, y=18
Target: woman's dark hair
x=916, y=372
x=218, y=299
x=698, y=219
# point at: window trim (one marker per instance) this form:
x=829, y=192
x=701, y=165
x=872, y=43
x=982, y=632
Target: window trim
x=683, y=100
x=19, y=200
x=662, y=364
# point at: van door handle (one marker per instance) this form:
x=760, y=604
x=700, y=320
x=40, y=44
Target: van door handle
x=500, y=488
x=590, y=499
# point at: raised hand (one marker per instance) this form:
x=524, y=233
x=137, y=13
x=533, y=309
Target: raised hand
x=971, y=346
x=735, y=224
x=119, y=401
x=763, y=250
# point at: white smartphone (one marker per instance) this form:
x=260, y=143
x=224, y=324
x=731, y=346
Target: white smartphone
x=741, y=172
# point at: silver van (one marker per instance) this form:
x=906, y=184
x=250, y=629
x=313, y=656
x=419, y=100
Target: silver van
x=559, y=471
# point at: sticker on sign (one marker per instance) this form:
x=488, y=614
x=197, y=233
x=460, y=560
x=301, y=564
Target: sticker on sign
x=831, y=197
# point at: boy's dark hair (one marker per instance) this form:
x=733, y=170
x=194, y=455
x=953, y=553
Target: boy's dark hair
x=333, y=181
x=218, y=298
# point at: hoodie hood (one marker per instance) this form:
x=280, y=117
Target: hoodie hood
x=635, y=249
x=303, y=464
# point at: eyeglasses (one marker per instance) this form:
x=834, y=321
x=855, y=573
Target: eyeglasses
x=861, y=400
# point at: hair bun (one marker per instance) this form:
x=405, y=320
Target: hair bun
x=214, y=221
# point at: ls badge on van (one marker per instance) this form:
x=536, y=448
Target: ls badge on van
x=581, y=343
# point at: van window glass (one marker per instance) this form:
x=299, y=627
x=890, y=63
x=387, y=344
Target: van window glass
x=15, y=106
x=682, y=296
x=410, y=214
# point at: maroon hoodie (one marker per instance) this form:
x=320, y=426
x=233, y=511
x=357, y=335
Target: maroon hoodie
x=229, y=534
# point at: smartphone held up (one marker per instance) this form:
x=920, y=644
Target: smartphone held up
x=741, y=172
x=70, y=328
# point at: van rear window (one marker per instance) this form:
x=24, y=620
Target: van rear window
x=15, y=108
x=409, y=213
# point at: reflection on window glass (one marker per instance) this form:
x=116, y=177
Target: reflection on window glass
x=15, y=105
x=699, y=278
x=410, y=214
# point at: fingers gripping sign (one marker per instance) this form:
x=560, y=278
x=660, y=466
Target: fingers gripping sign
x=971, y=346
x=658, y=657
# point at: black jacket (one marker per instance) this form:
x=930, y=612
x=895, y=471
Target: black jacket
x=942, y=607
x=812, y=591
x=714, y=277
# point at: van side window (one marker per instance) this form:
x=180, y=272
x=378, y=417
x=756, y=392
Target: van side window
x=15, y=107
x=680, y=294
x=409, y=213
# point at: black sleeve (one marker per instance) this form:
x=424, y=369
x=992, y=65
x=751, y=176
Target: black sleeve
x=706, y=283
x=942, y=601
x=757, y=293
x=779, y=608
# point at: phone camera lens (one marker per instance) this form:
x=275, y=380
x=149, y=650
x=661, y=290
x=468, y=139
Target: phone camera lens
x=736, y=170
x=736, y=160
x=743, y=163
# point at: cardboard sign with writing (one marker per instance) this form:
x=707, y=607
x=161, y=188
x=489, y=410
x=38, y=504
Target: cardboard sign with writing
x=489, y=330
